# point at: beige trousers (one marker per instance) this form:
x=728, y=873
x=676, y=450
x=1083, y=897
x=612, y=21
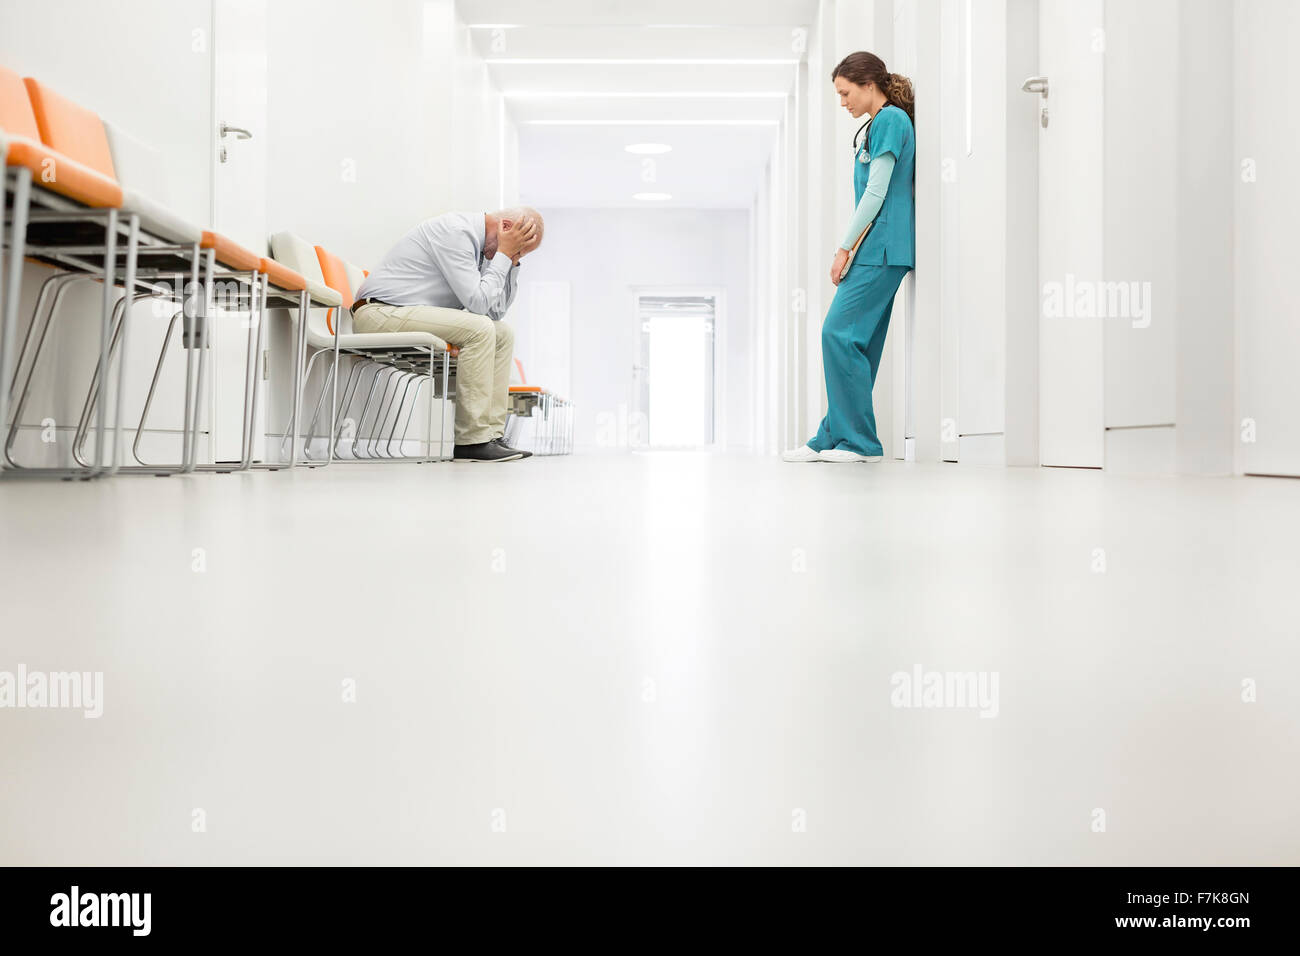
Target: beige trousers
x=482, y=367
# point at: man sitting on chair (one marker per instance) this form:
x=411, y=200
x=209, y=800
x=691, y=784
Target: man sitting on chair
x=455, y=276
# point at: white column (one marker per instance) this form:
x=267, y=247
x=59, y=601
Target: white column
x=1208, y=178
x=925, y=359
x=1267, y=154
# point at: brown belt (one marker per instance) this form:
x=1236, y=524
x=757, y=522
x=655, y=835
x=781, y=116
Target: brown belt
x=360, y=302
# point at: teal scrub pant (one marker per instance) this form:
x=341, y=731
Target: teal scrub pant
x=853, y=336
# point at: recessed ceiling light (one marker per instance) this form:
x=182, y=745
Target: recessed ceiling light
x=649, y=148
x=652, y=197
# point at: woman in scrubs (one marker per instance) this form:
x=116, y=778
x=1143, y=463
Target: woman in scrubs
x=853, y=334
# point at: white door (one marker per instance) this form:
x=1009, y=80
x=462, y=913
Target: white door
x=238, y=199
x=1071, y=56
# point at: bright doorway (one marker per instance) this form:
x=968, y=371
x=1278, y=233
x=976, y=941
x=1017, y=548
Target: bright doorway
x=674, y=380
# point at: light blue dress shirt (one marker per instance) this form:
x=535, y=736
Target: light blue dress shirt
x=440, y=262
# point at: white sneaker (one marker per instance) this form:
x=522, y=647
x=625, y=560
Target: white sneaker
x=802, y=453
x=843, y=454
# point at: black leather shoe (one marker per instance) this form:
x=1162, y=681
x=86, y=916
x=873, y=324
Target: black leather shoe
x=486, y=451
x=519, y=451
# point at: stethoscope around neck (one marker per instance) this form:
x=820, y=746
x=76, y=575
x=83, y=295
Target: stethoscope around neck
x=859, y=132
x=866, y=124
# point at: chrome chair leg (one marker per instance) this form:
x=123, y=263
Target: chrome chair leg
x=320, y=402
x=390, y=376
x=257, y=313
x=401, y=385
x=192, y=310
x=300, y=355
x=204, y=315
x=442, y=416
x=153, y=387
x=361, y=419
x=92, y=393
x=346, y=406
x=22, y=200
x=334, y=401
x=128, y=284
x=54, y=282
x=411, y=378
x=428, y=418
x=415, y=403
x=381, y=416
x=105, y=337
x=66, y=282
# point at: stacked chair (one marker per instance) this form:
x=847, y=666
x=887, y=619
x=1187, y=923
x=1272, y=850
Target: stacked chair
x=552, y=415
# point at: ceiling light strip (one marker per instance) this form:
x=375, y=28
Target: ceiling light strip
x=598, y=94
x=589, y=25
x=558, y=61
x=620, y=122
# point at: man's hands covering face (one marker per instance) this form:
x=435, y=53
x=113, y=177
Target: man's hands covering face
x=520, y=239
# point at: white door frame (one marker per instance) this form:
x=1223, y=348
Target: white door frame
x=238, y=98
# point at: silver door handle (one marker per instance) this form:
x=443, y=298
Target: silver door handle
x=1038, y=84
x=239, y=133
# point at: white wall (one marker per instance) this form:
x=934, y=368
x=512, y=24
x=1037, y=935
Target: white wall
x=760, y=309
x=378, y=119
x=794, y=276
x=763, y=284
x=604, y=253
x=348, y=111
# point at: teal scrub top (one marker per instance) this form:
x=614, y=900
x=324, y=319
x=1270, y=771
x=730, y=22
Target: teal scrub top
x=892, y=240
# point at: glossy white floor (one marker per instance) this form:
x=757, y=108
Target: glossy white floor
x=652, y=659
